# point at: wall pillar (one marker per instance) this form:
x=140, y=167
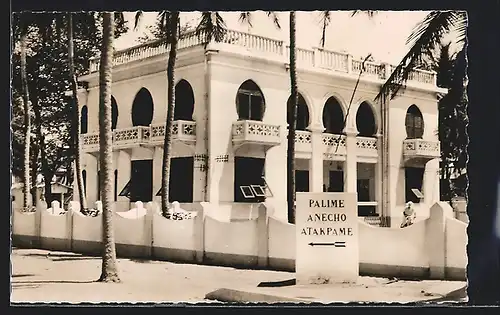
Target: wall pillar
x=91, y=178
x=316, y=161
x=350, y=169
x=157, y=172
x=124, y=172
x=379, y=177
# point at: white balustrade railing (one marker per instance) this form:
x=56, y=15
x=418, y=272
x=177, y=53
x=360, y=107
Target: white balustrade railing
x=305, y=57
x=421, y=147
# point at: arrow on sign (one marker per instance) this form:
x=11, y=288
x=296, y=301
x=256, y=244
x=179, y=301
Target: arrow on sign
x=335, y=244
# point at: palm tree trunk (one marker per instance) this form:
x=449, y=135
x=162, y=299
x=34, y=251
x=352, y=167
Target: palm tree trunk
x=109, y=264
x=47, y=174
x=27, y=122
x=170, y=111
x=76, y=116
x=34, y=170
x=291, y=129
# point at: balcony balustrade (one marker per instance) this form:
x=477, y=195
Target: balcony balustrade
x=420, y=151
x=184, y=131
x=255, y=132
x=334, y=147
x=275, y=49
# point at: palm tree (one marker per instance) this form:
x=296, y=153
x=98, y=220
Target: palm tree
x=424, y=39
x=172, y=37
x=23, y=32
x=292, y=124
x=76, y=115
x=109, y=264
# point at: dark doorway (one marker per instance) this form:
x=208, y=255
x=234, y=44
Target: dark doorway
x=84, y=120
x=414, y=177
x=141, y=181
x=181, y=179
x=336, y=182
x=248, y=171
x=114, y=113
x=302, y=180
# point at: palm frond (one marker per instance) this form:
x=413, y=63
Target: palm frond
x=275, y=19
x=326, y=18
x=426, y=36
x=138, y=19
x=246, y=17
x=211, y=26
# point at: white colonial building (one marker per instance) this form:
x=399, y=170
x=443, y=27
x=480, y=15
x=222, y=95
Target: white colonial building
x=230, y=129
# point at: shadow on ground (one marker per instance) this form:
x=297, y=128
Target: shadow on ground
x=59, y=257
x=276, y=284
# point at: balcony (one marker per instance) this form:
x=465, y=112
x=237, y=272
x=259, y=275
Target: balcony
x=303, y=141
x=367, y=148
x=272, y=49
x=129, y=137
x=182, y=130
x=255, y=133
x=418, y=151
x=334, y=147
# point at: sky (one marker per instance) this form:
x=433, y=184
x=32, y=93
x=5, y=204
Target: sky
x=384, y=35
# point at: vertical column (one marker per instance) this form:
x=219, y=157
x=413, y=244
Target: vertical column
x=157, y=172
x=316, y=161
x=91, y=178
x=124, y=169
x=350, y=169
x=379, y=177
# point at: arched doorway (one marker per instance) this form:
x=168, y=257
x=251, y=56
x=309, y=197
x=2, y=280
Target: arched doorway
x=142, y=108
x=302, y=113
x=114, y=113
x=365, y=121
x=184, y=101
x=333, y=117
x=84, y=120
x=250, y=103
x=414, y=123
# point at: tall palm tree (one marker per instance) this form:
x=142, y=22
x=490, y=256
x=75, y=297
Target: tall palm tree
x=424, y=39
x=23, y=32
x=76, y=114
x=292, y=124
x=109, y=271
x=172, y=38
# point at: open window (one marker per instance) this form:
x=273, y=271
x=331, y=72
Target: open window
x=249, y=182
x=414, y=177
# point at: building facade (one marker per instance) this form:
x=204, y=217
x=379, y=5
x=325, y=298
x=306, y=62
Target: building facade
x=230, y=129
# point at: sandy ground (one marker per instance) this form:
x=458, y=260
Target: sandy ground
x=45, y=276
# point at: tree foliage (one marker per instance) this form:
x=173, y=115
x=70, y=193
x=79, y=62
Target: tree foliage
x=48, y=80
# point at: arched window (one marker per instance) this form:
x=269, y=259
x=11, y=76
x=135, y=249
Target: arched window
x=84, y=120
x=333, y=117
x=250, y=103
x=414, y=123
x=302, y=113
x=184, y=101
x=365, y=121
x=142, y=108
x=114, y=113
x=84, y=178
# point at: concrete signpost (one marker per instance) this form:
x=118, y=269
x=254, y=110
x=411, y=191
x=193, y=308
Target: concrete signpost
x=326, y=238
